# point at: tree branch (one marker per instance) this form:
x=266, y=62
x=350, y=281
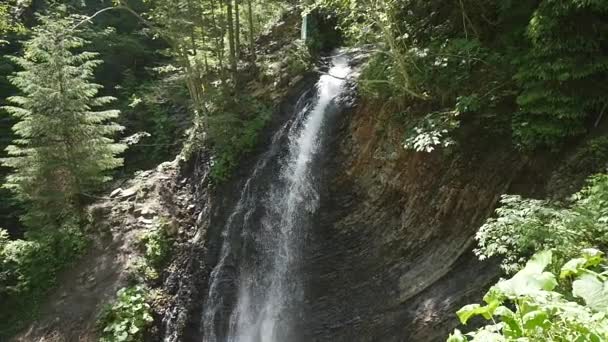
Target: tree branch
x=89, y=19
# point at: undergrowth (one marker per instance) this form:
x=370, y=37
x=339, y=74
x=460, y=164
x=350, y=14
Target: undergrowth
x=126, y=319
x=234, y=132
x=155, y=245
x=29, y=270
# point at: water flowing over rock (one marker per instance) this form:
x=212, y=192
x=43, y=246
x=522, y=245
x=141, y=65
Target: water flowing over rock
x=255, y=291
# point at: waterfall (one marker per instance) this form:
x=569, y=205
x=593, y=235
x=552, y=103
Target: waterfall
x=255, y=288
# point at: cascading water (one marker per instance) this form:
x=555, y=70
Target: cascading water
x=255, y=289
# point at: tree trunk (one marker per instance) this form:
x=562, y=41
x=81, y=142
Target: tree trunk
x=251, y=35
x=231, y=45
x=237, y=29
x=201, y=22
x=219, y=38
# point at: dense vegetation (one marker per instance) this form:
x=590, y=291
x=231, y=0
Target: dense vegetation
x=533, y=306
x=565, y=303
x=95, y=90
x=534, y=68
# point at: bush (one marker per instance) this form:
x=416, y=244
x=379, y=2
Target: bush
x=233, y=134
x=541, y=63
x=561, y=83
x=298, y=59
x=156, y=246
x=377, y=80
x=523, y=226
x=431, y=131
x=28, y=270
x=531, y=307
x=127, y=318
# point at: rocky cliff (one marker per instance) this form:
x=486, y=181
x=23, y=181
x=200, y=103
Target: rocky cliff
x=391, y=256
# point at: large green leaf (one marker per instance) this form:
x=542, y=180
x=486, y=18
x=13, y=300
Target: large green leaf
x=590, y=257
x=572, y=267
x=535, y=319
x=593, y=291
x=472, y=310
x=531, y=279
x=488, y=336
x=538, y=262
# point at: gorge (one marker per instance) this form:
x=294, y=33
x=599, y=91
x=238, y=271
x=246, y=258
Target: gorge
x=297, y=171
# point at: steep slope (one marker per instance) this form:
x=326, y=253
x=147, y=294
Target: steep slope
x=71, y=312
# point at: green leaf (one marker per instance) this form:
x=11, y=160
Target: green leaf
x=531, y=279
x=488, y=336
x=538, y=262
x=133, y=330
x=456, y=337
x=123, y=336
x=546, y=281
x=472, y=310
x=494, y=297
x=513, y=326
x=593, y=257
x=593, y=291
x=535, y=319
x=572, y=268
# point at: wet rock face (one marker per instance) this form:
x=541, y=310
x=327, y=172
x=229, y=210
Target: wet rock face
x=390, y=258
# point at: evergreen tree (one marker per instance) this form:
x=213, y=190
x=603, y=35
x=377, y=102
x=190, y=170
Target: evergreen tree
x=64, y=146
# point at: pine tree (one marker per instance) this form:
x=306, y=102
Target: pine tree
x=64, y=146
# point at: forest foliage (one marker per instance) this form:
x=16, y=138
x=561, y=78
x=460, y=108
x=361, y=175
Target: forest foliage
x=79, y=83
x=539, y=66
x=64, y=131
x=554, y=295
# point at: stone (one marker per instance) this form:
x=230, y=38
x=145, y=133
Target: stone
x=130, y=191
x=147, y=211
x=145, y=221
x=116, y=193
x=137, y=209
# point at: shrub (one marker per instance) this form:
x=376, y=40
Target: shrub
x=530, y=306
x=234, y=135
x=562, y=76
x=28, y=270
x=541, y=63
x=127, y=318
x=523, y=226
x=377, y=80
x=432, y=131
x=156, y=245
x=298, y=59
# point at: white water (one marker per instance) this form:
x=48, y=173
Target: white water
x=270, y=221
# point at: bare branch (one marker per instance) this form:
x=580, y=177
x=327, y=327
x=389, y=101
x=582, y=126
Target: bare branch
x=90, y=19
